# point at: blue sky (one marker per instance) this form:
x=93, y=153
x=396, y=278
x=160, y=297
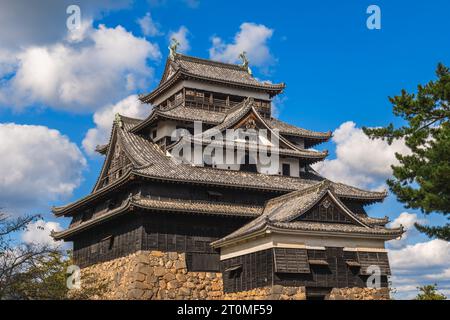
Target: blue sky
x=338, y=74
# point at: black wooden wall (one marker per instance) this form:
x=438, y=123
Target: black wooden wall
x=249, y=271
x=145, y=230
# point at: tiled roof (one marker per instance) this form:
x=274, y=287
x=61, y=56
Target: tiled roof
x=199, y=206
x=183, y=113
x=213, y=71
x=281, y=212
x=302, y=153
x=216, y=70
x=167, y=205
x=288, y=129
x=235, y=115
x=334, y=227
x=149, y=161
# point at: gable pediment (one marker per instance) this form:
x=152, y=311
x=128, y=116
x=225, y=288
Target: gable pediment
x=329, y=209
x=251, y=121
x=115, y=164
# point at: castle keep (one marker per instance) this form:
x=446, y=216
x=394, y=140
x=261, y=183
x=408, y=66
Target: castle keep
x=159, y=225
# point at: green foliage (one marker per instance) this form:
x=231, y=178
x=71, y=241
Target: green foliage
x=44, y=279
x=422, y=179
x=37, y=272
x=430, y=292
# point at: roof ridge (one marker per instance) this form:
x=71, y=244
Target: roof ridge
x=209, y=61
x=300, y=192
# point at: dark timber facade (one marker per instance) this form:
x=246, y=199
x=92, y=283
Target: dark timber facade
x=289, y=226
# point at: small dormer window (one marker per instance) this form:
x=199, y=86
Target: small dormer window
x=154, y=134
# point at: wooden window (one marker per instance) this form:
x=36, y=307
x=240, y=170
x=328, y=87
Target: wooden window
x=154, y=132
x=286, y=169
x=234, y=272
x=379, y=259
x=208, y=262
x=288, y=260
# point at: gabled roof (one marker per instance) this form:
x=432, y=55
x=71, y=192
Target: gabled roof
x=288, y=129
x=183, y=113
x=180, y=206
x=184, y=66
x=150, y=162
x=282, y=213
x=240, y=113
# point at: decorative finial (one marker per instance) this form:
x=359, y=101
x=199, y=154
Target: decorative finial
x=173, y=48
x=243, y=57
x=118, y=120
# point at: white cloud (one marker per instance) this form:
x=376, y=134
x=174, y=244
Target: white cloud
x=444, y=275
x=182, y=37
x=25, y=24
x=434, y=253
x=104, y=117
x=81, y=76
x=80, y=33
x=37, y=165
x=38, y=232
x=407, y=220
x=148, y=26
x=420, y=264
x=360, y=161
x=8, y=62
x=252, y=38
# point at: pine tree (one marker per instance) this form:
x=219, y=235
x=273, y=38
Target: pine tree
x=422, y=178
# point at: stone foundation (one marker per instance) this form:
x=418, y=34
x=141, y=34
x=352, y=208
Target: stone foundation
x=269, y=293
x=359, y=294
x=155, y=275
x=158, y=275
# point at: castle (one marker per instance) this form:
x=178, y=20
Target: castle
x=159, y=224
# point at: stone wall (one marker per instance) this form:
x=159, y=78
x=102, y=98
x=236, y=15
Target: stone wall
x=158, y=275
x=269, y=293
x=155, y=275
x=359, y=294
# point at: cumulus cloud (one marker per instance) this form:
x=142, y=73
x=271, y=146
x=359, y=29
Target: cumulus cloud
x=420, y=264
x=252, y=38
x=37, y=165
x=182, y=37
x=38, y=232
x=148, y=26
x=103, y=119
x=407, y=220
x=360, y=161
x=434, y=253
x=84, y=76
x=25, y=24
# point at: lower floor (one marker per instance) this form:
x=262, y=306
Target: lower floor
x=159, y=275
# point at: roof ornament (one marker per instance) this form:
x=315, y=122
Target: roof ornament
x=118, y=120
x=173, y=48
x=243, y=57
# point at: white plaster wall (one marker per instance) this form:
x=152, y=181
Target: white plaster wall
x=272, y=240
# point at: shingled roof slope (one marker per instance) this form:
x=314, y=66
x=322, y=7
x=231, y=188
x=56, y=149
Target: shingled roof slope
x=181, y=206
x=149, y=161
x=281, y=212
x=183, y=66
